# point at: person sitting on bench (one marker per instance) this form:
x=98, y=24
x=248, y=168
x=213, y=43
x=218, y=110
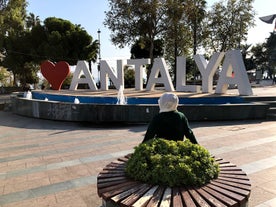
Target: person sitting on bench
x=169, y=124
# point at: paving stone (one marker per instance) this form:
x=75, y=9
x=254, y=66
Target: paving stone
x=51, y=163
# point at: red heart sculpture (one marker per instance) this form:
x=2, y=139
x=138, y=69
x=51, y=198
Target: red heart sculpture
x=55, y=74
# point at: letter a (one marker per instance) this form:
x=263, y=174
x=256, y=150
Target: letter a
x=159, y=66
x=234, y=72
x=82, y=69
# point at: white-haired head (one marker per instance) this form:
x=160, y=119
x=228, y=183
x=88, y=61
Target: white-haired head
x=168, y=102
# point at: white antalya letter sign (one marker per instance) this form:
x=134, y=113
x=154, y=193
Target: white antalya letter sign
x=107, y=72
x=181, y=77
x=208, y=70
x=234, y=72
x=160, y=66
x=82, y=69
x=138, y=68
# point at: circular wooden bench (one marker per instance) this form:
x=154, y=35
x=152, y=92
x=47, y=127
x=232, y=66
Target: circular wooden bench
x=231, y=188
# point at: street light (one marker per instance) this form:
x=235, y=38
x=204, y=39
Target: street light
x=99, y=53
x=99, y=39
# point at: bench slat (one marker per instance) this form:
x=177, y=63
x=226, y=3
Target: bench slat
x=157, y=196
x=104, y=180
x=231, y=188
x=187, y=198
x=176, y=198
x=108, y=194
x=210, y=199
x=166, y=200
x=235, y=196
x=234, y=184
x=229, y=164
x=111, y=175
x=128, y=155
x=116, y=182
x=226, y=168
x=118, y=162
x=245, y=182
x=128, y=192
x=228, y=201
x=134, y=197
x=198, y=199
x=123, y=159
x=145, y=198
x=111, y=171
x=221, y=161
x=239, y=177
x=111, y=167
x=235, y=172
x=108, y=188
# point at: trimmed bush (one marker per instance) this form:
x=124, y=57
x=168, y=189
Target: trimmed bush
x=171, y=163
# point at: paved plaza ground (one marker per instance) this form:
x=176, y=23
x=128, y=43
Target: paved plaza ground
x=51, y=163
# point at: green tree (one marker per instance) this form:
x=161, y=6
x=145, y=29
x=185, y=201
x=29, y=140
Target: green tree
x=259, y=54
x=12, y=17
x=247, y=58
x=12, y=34
x=228, y=24
x=195, y=12
x=32, y=20
x=259, y=57
x=59, y=39
x=130, y=20
x=165, y=20
x=177, y=36
x=18, y=59
x=271, y=52
x=4, y=77
x=3, y=4
x=129, y=77
x=25, y=43
x=140, y=49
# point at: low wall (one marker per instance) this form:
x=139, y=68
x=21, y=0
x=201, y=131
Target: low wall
x=132, y=113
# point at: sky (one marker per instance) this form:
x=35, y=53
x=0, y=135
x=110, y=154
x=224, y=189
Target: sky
x=90, y=14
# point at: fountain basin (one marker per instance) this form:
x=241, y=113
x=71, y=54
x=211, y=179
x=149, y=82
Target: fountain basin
x=138, y=110
x=135, y=100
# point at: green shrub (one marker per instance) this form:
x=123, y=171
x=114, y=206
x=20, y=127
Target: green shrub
x=171, y=163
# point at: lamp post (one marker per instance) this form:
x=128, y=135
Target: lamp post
x=99, y=53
